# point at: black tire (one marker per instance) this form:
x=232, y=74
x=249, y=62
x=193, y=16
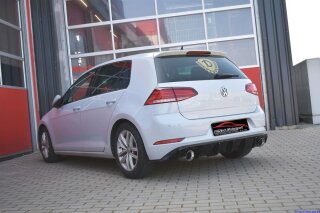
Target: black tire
x=240, y=152
x=142, y=164
x=47, y=152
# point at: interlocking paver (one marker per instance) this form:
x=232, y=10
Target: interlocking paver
x=282, y=176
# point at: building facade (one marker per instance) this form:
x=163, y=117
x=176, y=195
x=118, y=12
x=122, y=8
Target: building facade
x=18, y=94
x=68, y=37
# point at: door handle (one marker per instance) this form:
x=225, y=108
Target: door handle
x=111, y=102
x=75, y=109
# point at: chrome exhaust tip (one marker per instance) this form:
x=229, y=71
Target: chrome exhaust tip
x=190, y=155
x=261, y=142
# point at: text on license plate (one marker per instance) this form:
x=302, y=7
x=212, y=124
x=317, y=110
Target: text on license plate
x=229, y=127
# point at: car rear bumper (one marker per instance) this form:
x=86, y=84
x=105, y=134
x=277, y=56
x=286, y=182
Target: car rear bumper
x=213, y=148
x=159, y=127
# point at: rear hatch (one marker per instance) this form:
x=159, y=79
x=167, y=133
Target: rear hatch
x=220, y=85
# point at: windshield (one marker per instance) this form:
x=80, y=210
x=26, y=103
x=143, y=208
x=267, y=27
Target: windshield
x=195, y=68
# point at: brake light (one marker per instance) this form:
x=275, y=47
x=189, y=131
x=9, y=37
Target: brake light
x=251, y=88
x=176, y=140
x=198, y=53
x=167, y=95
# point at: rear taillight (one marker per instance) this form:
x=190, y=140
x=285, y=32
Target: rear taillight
x=251, y=88
x=167, y=95
x=184, y=93
x=198, y=53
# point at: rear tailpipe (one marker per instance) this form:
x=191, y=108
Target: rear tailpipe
x=190, y=155
x=261, y=141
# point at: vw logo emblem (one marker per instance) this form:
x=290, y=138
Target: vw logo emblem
x=224, y=92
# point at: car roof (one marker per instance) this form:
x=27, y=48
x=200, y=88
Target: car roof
x=173, y=53
x=161, y=54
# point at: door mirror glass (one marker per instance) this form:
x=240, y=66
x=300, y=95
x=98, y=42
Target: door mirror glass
x=56, y=101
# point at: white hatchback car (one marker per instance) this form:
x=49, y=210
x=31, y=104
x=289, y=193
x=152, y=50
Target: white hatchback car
x=156, y=106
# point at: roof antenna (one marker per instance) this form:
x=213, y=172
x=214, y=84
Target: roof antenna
x=181, y=47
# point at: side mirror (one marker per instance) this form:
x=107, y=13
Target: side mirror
x=56, y=101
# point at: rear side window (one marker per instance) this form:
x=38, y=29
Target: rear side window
x=112, y=77
x=195, y=68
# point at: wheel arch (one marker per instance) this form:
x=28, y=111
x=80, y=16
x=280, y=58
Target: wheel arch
x=41, y=127
x=44, y=125
x=114, y=129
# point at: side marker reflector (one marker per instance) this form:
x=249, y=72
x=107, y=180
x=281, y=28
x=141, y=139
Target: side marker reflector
x=176, y=140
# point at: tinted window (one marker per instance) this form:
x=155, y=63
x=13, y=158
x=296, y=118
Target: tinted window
x=135, y=34
x=89, y=11
x=11, y=72
x=91, y=39
x=242, y=51
x=174, y=6
x=181, y=29
x=10, y=40
x=229, y=23
x=9, y=11
x=224, y=3
x=112, y=77
x=80, y=89
x=123, y=9
x=83, y=64
x=194, y=68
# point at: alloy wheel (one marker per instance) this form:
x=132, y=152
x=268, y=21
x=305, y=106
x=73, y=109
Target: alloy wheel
x=127, y=150
x=45, y=144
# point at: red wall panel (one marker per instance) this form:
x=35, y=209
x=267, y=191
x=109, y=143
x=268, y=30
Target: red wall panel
x=15, y=135
x=255, y=76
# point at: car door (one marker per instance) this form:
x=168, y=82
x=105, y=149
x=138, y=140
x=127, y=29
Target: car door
x=67, y=120
x=110, y=82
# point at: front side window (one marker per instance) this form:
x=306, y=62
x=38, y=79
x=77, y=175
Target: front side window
x=80, y=89
x=112, y=77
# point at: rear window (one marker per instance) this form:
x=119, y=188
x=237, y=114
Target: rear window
x=195, y=68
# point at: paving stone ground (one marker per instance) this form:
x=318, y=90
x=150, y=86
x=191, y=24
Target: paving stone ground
x=282, y=176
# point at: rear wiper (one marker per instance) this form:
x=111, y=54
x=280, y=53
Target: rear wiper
x=225, y=76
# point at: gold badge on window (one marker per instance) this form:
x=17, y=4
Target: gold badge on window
x=208, y=65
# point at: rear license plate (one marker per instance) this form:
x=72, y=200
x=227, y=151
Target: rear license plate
x=230, y=127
